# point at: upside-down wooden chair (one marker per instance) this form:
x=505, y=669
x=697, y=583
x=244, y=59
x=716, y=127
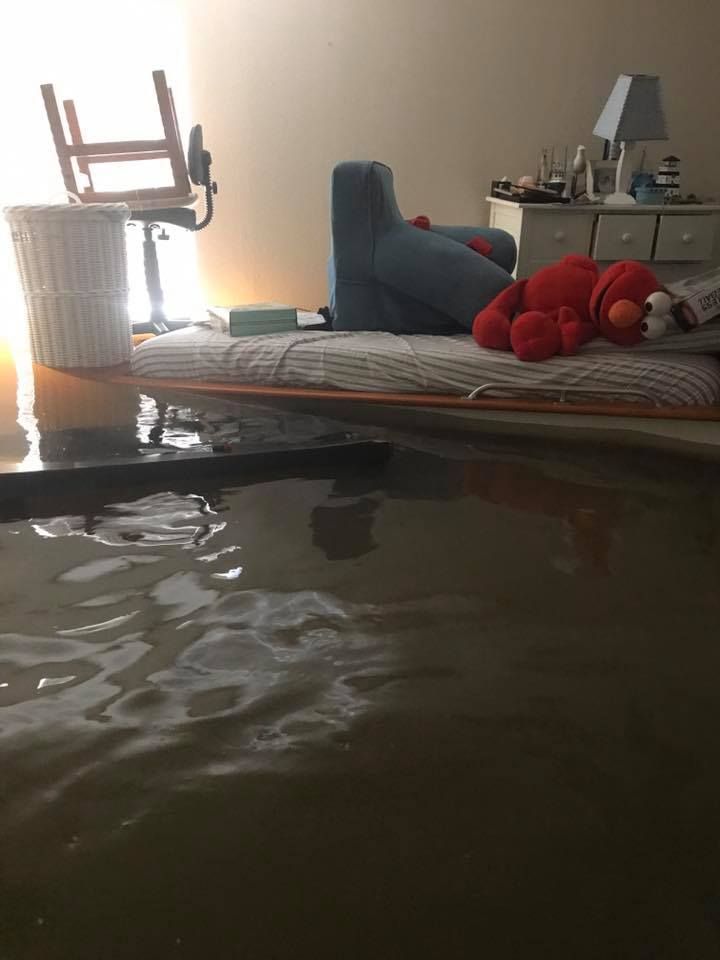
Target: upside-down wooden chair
x=151, y=206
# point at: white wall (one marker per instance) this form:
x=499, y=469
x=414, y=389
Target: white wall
x=448, y=93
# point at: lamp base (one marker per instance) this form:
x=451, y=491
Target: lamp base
x=620, y=199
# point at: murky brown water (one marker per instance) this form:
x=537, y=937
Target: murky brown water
x=449, y=709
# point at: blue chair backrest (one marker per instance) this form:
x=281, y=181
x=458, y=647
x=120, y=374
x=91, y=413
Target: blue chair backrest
x=385, y=274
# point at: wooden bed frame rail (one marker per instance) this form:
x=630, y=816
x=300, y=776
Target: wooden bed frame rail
x=427, y=401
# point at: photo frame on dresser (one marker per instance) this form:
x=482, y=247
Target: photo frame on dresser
x=604, y=172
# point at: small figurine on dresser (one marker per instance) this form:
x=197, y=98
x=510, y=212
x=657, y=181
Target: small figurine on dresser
x=583, y=168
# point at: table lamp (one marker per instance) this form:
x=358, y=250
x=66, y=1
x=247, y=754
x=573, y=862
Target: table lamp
x=633, y=112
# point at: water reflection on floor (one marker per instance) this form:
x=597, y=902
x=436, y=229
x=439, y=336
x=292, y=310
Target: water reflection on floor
x=444, y=709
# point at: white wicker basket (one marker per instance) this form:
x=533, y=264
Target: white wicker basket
x=72, y=261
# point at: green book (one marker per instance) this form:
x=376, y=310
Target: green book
x=256, y=313
x=257, y=330
x=253, y=319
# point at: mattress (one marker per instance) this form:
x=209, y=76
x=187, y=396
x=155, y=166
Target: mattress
x=392, y=363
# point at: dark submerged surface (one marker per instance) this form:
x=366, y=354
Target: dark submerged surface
x=463, y=705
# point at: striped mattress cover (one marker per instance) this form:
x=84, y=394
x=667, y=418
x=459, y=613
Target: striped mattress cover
x=393, y=363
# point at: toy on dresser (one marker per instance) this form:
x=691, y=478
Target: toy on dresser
x=561, y=307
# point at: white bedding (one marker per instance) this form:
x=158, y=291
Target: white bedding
x=423, y=364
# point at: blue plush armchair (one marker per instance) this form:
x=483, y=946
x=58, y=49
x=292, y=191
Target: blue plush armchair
x=386, y=274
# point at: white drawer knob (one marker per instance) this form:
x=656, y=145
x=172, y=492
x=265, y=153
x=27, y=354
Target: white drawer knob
x=687, y=238
x=626, y=238
x=559, y=235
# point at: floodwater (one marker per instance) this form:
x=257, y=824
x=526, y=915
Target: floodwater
x=448, y=708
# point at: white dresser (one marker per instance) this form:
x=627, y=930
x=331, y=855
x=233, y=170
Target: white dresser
x=676, y=241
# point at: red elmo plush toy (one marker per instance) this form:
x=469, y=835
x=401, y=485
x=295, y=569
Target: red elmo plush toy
x=561, y=307
x=551, y=311
x=628, y=305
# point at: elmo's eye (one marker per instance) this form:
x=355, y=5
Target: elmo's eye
x=658, y=304
x=652, y=327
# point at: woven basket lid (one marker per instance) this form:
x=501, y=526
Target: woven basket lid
x=114, y=212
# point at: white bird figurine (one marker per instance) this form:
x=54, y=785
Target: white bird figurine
x=581, y=165
x=580, y=161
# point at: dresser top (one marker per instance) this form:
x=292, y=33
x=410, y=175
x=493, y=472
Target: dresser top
x=580, y=208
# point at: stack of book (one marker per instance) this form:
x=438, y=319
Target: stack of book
x=255, y=319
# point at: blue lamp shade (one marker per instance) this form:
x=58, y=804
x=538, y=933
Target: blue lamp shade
x=634, y=110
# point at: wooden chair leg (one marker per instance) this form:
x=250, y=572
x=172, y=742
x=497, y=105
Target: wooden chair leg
x=56, y=127
x=76, y=138
x=178, y=138
x=174, y=147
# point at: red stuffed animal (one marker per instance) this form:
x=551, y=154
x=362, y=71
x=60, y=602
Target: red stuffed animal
x=551, y=311
x=561, y=307
x=628, y=305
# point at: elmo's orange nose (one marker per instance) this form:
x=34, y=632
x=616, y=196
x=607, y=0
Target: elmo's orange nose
x=625, y=313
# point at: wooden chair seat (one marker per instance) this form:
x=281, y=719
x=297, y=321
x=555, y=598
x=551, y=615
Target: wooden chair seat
x=86, y=155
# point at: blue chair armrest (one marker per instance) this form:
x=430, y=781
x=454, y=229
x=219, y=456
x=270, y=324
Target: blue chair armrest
x=504, y=250
x=433, y=269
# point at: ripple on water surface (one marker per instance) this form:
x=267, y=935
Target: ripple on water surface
x=145, y=624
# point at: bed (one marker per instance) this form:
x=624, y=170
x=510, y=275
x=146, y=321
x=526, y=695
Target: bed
x=678, y=371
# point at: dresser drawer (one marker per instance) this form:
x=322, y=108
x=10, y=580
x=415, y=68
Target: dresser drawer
x=552, y=235
x=624, y=237
x=685, y=238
